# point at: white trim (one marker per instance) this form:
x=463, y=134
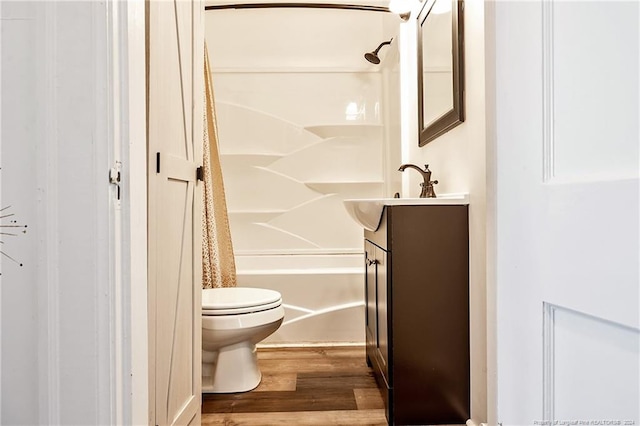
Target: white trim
x=0, y=205
x=127, y=238
x=119, y=358
x=104, y=275
x=407, y=48
x=310, y=345
x=134, y=195
x=548, y=351
x=548, y=139
x=294, y=70
x=129, y=364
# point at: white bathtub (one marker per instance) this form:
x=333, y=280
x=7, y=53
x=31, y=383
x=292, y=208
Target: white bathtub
x=323, y=296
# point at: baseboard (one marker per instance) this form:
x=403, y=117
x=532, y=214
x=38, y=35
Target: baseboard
x=472, y=422
x=309, y=345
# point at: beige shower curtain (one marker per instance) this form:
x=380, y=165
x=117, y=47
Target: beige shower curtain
x=218, y=264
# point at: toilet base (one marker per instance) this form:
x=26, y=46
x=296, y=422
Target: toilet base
x=232, y=369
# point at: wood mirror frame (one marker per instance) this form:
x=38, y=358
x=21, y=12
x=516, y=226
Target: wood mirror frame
x=455, y=115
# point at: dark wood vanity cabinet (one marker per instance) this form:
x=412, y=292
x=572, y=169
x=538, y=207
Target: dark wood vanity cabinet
x=417, y=313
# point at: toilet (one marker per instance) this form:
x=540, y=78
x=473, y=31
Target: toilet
x=234, y=320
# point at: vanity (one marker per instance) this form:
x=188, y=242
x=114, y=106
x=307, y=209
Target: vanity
x=417, y=306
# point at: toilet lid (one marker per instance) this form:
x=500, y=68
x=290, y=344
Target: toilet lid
x=236, y=300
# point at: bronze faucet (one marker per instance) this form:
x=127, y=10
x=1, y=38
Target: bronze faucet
x=427, y=185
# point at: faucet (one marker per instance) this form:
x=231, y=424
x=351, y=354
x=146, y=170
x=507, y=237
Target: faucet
x=427, y=185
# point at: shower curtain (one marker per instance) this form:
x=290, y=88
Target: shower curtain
x=218, y=263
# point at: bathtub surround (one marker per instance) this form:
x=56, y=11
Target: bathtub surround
x=304, y=122
x=218, y=263
x=322, y=296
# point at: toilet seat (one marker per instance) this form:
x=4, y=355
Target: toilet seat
x=238, y=300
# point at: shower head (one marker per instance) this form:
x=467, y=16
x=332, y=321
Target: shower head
x=373, y=56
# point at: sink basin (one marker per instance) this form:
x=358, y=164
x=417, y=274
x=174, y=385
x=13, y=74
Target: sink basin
x=368, y=212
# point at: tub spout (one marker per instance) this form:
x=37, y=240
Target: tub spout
x=427, y=184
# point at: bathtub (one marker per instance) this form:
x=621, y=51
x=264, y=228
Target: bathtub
x=323, y=296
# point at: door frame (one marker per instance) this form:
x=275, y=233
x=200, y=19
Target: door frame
x=127, y=74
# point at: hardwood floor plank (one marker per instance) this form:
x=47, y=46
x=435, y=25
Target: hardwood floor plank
x=368, y=399
x=302, y=418
x=312, y=365
x=299, y=400
x=277, y=382
x=341, y=380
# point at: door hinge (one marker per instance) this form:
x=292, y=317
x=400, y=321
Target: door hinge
x=200, y=173
x=115, y=176
x=157, y=162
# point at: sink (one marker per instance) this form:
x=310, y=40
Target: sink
x=367, y=212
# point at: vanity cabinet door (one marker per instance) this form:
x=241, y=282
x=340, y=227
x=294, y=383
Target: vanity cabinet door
x=378, y=312
x=371, y=317
x=382, y=347
x=376, y=320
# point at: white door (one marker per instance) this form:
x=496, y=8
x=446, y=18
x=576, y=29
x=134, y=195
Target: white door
x=175, y=101
x=567, y=213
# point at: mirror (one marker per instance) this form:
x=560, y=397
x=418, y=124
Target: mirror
x=440, y=68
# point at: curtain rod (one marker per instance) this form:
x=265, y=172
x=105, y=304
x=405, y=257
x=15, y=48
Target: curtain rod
x=298, y=5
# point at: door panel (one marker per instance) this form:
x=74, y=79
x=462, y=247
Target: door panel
x=175, y=72
x=174, y=345
x=607, y=345
x=567, y=211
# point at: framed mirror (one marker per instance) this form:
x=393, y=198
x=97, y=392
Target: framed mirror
x=440, y=68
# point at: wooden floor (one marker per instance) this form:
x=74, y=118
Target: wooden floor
x=301, y=387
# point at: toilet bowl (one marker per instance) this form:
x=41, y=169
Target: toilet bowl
x=234, y=320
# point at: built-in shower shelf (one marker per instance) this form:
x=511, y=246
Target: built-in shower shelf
x=252, y=159
x=349, y=130
x=365, y=188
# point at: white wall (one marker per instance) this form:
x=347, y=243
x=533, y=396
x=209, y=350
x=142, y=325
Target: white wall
x=19, y=321
x=491, y=206
x=63, y=332
x=458, y=161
